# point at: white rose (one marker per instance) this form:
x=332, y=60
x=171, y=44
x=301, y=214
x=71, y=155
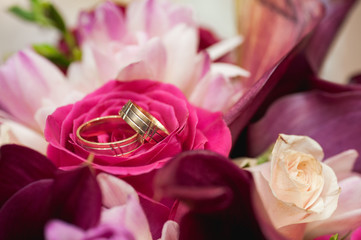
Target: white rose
x=295, y=186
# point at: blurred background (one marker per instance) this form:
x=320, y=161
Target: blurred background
x=343, y=60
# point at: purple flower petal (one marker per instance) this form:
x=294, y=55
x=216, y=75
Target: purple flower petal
x=333, y=120
x=77, y=198
x=25, y=214
x=72, y=196
x=217, y=193
x=20, y=166
x=269, y=61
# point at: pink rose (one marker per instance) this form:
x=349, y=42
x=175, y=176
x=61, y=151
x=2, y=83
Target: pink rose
x=189, y=127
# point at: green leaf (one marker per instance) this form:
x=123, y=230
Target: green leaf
x=264, y=157
x=22, y=14
x=52, y=14
x=334, y=237
x=53, y=54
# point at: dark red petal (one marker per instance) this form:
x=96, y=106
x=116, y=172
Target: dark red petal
x=76, y=198
x=217, y=193
x=73, y=196
x=25, y=214
x=20, y=166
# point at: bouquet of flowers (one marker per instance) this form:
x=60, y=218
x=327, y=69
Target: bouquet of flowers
x=140, y=123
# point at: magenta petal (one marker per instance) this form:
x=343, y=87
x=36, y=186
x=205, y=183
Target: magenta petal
x=333, y=120
x=20, y=166
x=77, y=198
x=217, y=192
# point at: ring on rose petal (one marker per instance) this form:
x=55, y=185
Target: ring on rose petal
x=143, y=122
x=109, y=130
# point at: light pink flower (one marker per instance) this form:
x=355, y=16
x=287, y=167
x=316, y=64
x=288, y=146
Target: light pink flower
x=155, y=40
x=121, y=218
x=31, y=88
x=302, y=195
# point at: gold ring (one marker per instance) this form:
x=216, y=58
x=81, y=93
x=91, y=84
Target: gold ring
x=143, y=122
x=106, y=126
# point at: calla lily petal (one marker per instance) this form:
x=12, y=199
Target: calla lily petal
x=330, y=119
x=24, y=215
x=322, y=37
x=220, y=198
x=20, y=166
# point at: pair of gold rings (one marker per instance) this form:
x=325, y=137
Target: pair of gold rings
x=121, y=135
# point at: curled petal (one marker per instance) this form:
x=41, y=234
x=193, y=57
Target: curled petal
x=219, y=198
x=20, y=166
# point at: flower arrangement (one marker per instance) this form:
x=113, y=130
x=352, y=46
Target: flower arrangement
x=140, y=123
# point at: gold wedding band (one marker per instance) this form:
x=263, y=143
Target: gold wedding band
x=102, y=125
x=143, y=122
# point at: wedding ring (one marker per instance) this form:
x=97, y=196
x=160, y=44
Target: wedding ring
x=108, y=128
x=143, y=122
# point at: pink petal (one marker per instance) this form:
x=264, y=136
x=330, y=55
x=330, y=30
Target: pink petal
x=105, y=24
x=59, y=230
x=12, y=132
x=26, y=80
x=342, y=163
x=347, y=216
x=124, y=205
x=170, y=231
x=115, y=192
